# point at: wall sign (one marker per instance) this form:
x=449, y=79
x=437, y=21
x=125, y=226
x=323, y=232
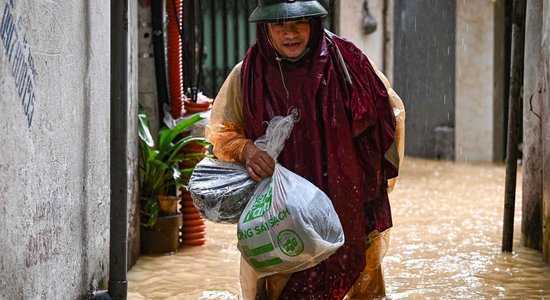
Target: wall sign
x=20, y=58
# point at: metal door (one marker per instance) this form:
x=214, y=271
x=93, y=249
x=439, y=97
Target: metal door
x=424, y=72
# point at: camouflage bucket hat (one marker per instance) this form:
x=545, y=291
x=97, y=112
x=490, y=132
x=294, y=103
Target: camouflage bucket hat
x=269, y=11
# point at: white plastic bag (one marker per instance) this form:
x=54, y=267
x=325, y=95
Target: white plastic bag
x=289, y=224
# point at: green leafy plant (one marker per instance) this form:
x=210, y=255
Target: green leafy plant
x=160, y=163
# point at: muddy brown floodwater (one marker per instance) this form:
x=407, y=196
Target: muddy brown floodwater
x=445, y=244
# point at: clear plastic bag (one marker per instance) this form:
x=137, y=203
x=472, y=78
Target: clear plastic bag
x=220, y=189
x=289, y=224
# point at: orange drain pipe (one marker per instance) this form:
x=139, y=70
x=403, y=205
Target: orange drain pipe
x=192, y=231
x=193, y=228
x=174, y=10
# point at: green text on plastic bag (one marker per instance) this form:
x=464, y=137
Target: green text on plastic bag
x=261, y=205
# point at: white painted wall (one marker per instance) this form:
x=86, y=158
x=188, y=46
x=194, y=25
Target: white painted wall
x=474, y=106
x=54, y=159
x=350, y=20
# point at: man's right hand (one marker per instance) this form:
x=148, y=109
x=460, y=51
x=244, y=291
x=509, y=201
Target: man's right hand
x=259, y=164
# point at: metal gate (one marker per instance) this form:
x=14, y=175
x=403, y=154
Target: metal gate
x=227, y=34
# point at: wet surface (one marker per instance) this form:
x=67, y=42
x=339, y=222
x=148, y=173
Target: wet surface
x=445, y=244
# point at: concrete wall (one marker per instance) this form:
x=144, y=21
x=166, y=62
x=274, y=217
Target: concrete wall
x=477, y=113
x=54, y=159
x=476, y=116
x=350, y=22
x=147, y=81
x=531, y=217
x=474, y=81
x=133, y=106
x=545, y=133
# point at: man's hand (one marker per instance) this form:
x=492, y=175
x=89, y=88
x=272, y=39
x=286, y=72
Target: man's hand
x=259, y=164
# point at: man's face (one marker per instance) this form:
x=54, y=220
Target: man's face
x=290, y=38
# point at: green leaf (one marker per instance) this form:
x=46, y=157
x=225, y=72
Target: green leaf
x=151, y=210
x=167, y=135
x=159, y=164
x=181, y=143
x=187, y=172
x=143, y=130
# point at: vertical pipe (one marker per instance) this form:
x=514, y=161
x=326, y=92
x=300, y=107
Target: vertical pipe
x=175, y=57
x=384, y=36
x=160, y=60
x=186, y=36
x=118, y=284
x=246, y=24
x=236, y=30
x=200, y=45
x=332, y=15
x=192, y=59
x=225, y=39
x=501, y=76
x=516, y=79
x=214, y=50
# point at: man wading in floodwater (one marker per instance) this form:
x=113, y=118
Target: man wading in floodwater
x=347, y=141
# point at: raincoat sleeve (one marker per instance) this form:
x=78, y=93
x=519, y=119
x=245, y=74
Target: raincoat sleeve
x=399, y=112
x=225, y=128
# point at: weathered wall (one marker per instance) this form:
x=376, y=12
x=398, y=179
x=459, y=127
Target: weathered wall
x=462, y=110
x=133, y=94
x=545, y=90
x=378, y=46
x=146, y=75
x=54, y=159
x=351, y=27
x=531, y=221
x=474, y=81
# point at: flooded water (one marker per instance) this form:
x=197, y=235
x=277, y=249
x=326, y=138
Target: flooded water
x=445, y=244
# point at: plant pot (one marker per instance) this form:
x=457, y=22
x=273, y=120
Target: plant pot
x=194, y=148
x=163, y=237
x=195, y=107
x=168, y=205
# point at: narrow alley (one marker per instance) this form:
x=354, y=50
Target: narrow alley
x=445, y=244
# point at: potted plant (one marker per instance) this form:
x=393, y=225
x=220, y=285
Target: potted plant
x=162, y=173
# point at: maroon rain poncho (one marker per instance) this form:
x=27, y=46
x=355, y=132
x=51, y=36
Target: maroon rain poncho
x=338, y=143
